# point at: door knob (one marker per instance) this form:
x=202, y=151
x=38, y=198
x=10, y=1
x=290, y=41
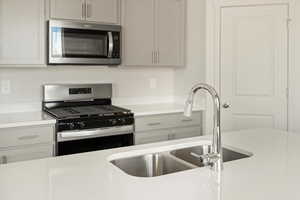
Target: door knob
x=226, y=105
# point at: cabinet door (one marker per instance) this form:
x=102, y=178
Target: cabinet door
x=138, y=32
x=26, y=153
x=170, y=32
x=106, y=11
x=152, y=136
x=68, y=9
x=22, y=32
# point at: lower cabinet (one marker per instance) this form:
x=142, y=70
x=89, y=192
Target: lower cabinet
x=152, y=136
x=26, y=143
x=167, y=134
x=185, y=132
x=26, y=153
x=157, y=128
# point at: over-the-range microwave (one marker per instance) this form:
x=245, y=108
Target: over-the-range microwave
x=79, y=43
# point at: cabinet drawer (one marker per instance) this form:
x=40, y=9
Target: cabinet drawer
x=26, y=135
x=167, y=121
x=26, y=153
x=154, y=122
x=194, y=120
x=186, y=132
x=152, y=136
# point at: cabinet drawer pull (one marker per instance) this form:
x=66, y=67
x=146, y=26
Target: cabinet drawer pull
x=29, y=137
x=88, y=10
x=186, y=120
x=83, y=10
x=154, y=124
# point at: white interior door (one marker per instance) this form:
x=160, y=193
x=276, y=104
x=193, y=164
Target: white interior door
x=253, y=67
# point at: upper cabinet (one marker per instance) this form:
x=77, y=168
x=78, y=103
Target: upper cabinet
x=67, y=9
x=170, y=32
x=138, y=33
x=154, y=32
x=22, y=32
x=102, y=11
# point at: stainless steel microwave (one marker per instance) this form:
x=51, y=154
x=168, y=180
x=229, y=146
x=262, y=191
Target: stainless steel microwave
x=79, y=43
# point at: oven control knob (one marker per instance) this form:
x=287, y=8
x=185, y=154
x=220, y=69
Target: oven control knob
x=81, y=124
x=122, y=120
x=113, y=122
x=71, y=126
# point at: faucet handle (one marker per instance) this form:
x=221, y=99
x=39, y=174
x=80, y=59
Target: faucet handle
x=188, y=109
x=226, y=105
x=207, y=159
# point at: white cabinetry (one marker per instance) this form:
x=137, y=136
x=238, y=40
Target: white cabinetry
x=22, y=32
x=26, y=143
x=67, y=9
x=26, y=153
x=104, y=11
x=154, y=32
x=158, y=128
x=170, y=32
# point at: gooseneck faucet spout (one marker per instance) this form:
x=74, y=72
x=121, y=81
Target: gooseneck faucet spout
x=215, y=157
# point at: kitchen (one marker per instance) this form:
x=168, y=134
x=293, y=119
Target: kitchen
x=166, y=48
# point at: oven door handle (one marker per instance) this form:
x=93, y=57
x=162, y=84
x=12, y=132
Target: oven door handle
x=93, y=133
x=110, y=45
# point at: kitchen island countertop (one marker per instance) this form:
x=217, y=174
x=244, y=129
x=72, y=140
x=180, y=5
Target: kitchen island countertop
x=272, y=173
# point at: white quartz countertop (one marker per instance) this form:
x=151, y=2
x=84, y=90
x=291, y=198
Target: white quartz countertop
x=156, y=109
x=272, y=173
x=12, y=120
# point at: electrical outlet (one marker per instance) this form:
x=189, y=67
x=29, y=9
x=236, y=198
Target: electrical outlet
x=5, y=86
x=153, y=83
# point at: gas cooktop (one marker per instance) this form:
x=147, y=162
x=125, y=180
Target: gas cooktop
x=86, y=111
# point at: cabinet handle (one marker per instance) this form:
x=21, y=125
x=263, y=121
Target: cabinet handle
x=88, y=10
x=152, y=57
x=154, y=124
x=186, y=120
x=83, y=8
x=158, y=59
x=29, y=137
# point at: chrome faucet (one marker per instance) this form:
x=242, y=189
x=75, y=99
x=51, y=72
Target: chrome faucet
x=214, y=159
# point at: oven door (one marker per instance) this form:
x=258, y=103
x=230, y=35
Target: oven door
x=71, y=142
x=78, y=43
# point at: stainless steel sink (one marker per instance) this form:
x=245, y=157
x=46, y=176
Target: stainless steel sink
x=158, y=164
x=192, y=155
x=151, y=165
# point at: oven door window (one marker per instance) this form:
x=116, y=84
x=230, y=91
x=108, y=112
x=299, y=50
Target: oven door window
x=79, y=43
x=94, y=144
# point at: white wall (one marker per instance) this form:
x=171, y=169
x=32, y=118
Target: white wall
x=131, y=85
x=194, y=72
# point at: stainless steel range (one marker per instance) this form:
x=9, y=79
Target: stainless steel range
x=86, y=118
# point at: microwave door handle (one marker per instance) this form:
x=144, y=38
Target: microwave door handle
x=110, y=44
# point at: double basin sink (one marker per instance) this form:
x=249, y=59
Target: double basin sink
x=158, y=164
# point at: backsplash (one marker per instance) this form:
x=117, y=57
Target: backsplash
x=131, y=85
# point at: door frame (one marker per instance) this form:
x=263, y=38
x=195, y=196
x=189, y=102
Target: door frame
x=213, y=43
